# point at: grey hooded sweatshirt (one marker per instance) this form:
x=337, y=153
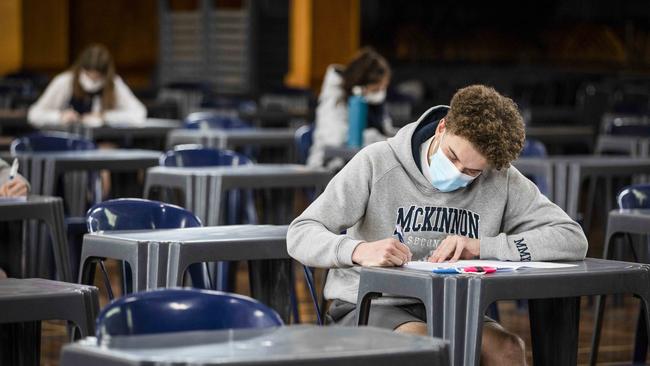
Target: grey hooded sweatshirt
x=383, y=185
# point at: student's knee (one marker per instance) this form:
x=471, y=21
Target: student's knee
x=501, y=347
x=418, y=328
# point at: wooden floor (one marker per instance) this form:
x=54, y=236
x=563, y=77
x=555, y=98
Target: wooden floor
x=616, y=345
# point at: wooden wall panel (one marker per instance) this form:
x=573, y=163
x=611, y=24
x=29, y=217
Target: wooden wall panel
x=10, y=36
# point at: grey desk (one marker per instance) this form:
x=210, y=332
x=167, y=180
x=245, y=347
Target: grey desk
x=290, y=345
x=162, y=256
x=204, y=188
x=455, y=304
x=43, y=169
x=24, y=303
x=233, y=138
x=152, y=128
x=635, y=221
x=50, y=211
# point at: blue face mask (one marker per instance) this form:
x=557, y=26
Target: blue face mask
x=445, y=177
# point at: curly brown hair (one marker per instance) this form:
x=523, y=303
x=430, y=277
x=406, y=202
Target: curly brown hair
x=489, y=121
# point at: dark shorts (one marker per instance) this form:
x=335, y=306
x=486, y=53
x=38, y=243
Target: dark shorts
x=381, y=316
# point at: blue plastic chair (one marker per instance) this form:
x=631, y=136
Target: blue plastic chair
x=632, y=127
x=181, y=310
x=212, y=120
x=50, y=141
x=303, y=140
x=141, y=214
x=534, y=148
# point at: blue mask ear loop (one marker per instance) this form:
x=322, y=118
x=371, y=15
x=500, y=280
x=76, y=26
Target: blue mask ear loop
x=439, y=147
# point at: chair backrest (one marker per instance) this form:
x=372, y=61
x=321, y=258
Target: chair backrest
x=197, y=156
x=620, y=125
x=179, y=310
x=634, y=196
x=533, y=148
x=50, y=141
x=303, y=139
x=212, y=120
x=138, y=214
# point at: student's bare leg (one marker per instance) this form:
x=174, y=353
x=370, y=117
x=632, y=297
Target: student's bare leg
x=499, y=347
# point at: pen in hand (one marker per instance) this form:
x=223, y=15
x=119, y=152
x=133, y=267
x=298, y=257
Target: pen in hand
x=14, y=169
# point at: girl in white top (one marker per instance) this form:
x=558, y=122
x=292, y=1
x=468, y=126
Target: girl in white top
x=89, y=93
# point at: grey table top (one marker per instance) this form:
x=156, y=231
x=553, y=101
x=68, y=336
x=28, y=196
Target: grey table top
x=16, y=289
x=240, y=170
x=261, y=133
x=292, y=345
x=95, y=155
x=207, y=234
x=26, y=201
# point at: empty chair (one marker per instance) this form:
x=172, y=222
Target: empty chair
x=303, y=141
x=197, y=156
x=50, y=141
x=134, y=214
x=180, y=310
x=212, y=120
x=534, y=148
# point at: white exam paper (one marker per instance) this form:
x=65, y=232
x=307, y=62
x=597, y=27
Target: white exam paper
x=428, y=266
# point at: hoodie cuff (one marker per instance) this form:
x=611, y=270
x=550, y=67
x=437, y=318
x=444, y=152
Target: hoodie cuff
x=344, y=251
x=495, y=247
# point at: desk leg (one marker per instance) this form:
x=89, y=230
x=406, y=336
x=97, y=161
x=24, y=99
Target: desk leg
x=641, y=339
x=554, y=330
x=270, y=282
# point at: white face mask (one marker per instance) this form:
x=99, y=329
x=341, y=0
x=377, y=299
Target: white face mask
x=445, y=177
x=89, y=85
x=377, y=97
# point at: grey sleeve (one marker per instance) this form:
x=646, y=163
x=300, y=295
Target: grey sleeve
x=314, y=237
x=533, y=228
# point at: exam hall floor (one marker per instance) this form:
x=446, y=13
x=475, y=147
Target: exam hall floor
x=616, y=345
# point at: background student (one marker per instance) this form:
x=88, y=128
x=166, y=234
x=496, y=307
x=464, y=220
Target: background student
x=367, y=74
x=90, y=92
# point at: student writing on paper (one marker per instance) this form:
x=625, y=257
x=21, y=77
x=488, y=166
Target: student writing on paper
x=446, y=176
x=90, y=93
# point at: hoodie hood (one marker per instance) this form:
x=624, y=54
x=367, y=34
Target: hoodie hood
x=406, y=143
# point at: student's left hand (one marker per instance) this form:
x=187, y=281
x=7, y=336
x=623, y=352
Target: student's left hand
x=455, y=247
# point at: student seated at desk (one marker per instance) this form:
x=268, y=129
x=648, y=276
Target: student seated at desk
x=368, y=75
x=15, y=187
x=90, y=93
x=446, y=177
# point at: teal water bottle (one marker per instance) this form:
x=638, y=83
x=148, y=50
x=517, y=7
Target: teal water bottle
x=357, y=120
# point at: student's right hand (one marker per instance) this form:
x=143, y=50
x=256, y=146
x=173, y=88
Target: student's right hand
x=69, y=116
x=387, y=252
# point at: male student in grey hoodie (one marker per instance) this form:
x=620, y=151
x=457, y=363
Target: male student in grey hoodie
x=447, y=180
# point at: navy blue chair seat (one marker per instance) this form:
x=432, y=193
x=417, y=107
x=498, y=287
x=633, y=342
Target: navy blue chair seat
x=212, y=120
x=181, y=310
